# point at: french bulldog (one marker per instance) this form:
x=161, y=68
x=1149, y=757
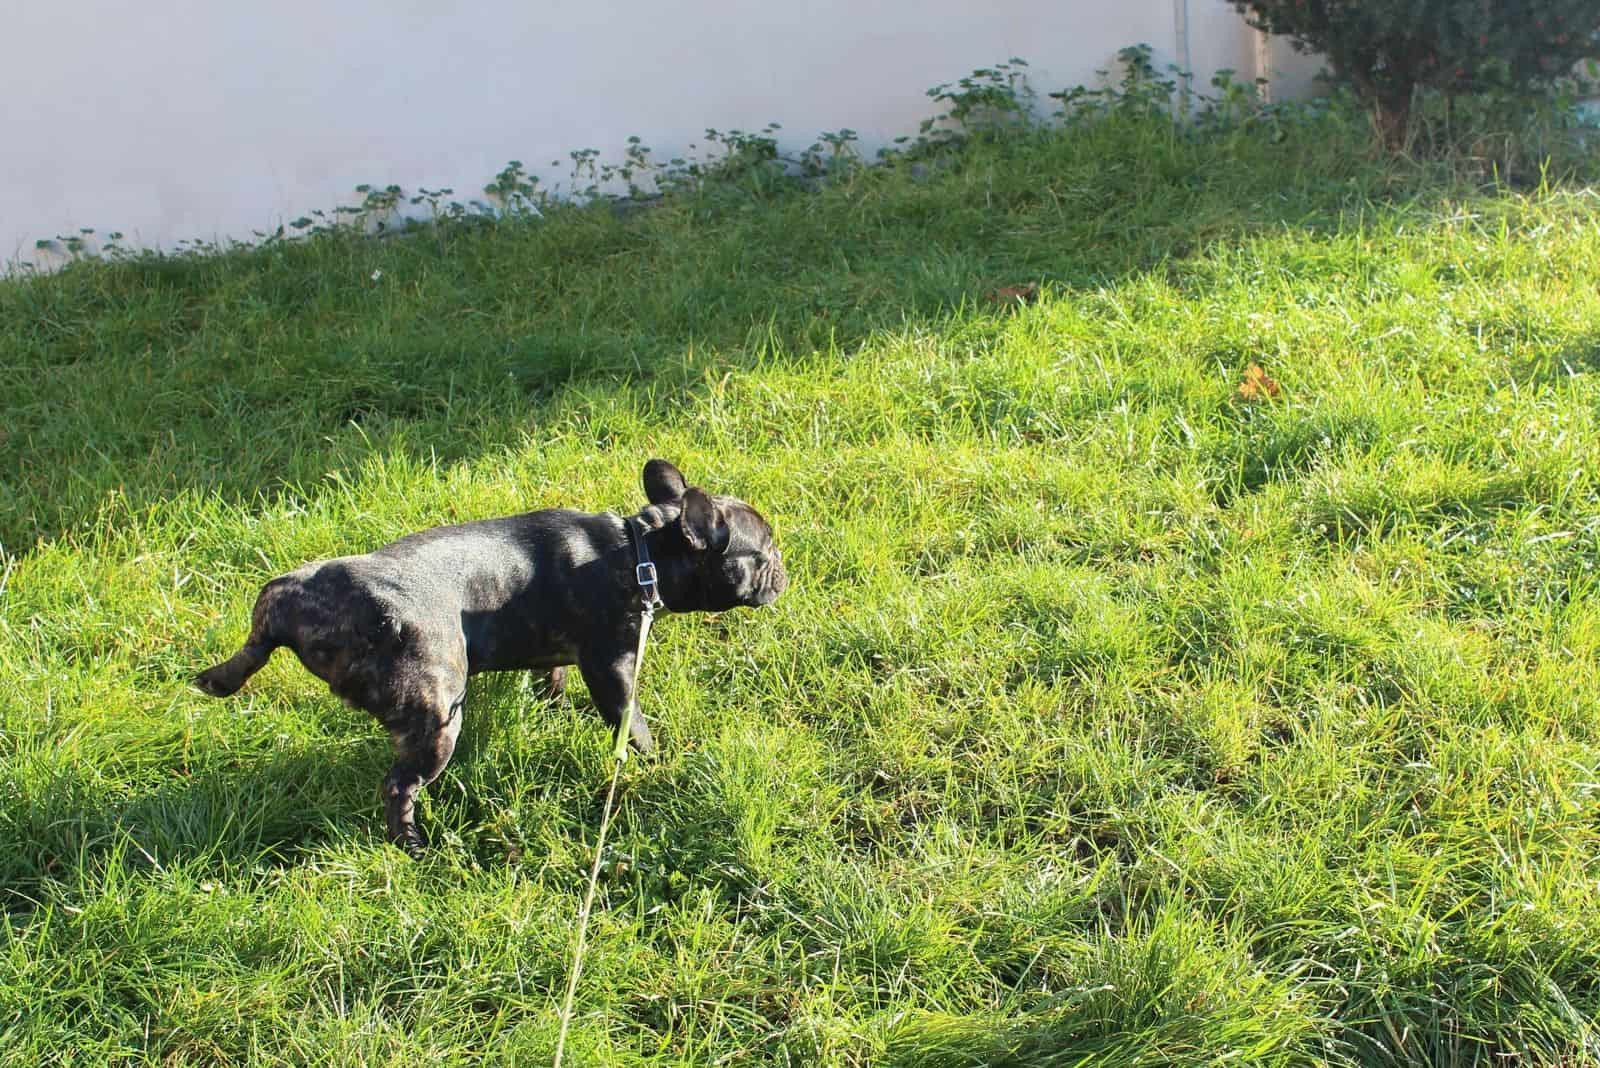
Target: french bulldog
x=399, y=630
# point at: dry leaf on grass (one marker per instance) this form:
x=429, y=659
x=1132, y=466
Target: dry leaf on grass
x=1023, y=294
x=1258, y=385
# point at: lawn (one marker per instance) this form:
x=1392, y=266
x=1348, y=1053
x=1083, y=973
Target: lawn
x=1112, y=716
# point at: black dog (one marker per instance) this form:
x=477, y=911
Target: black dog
x=398, y=631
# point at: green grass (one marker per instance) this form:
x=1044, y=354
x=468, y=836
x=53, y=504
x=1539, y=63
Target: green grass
x=1108, y=719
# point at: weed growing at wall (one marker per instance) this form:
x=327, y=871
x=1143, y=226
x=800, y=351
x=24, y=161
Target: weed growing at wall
x=1492, y=136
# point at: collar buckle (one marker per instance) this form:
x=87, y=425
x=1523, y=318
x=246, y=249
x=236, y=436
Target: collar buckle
x=645, y=573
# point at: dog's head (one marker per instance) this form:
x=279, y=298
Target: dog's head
x=719, y=552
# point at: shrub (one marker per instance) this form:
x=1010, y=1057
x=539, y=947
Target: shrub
x=1388, y=49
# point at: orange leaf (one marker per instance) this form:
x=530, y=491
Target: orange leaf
x=1258, y=385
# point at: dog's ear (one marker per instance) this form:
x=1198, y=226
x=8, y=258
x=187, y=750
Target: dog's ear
x=663, y=482
x=703, y=524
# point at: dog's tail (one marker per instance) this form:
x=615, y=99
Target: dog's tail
x=225, y=679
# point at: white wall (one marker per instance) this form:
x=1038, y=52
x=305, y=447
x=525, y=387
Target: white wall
x=203, y=119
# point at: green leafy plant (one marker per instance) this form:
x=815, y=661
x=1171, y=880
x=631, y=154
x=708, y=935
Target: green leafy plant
x=985, y=103
x=1139, y=88
x=514, y=190
x=833, y=154
x=751, y=160
x=1388, y=50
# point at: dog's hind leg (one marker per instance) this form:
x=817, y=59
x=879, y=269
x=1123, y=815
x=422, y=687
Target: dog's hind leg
x=424, y=739
x=224, y=679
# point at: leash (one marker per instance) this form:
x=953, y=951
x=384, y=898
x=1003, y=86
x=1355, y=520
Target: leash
x=645, y=575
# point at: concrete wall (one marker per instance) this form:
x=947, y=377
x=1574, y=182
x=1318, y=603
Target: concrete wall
x=200, y=119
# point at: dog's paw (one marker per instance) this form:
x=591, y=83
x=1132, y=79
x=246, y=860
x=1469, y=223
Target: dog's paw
x=209, y=682
x=412, y=841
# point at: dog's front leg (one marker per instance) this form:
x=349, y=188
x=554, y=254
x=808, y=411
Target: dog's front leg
x=610, y=678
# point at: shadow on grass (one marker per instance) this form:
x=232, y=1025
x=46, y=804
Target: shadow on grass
x=272, y=809
x=260, y=372
x=255, y=814
x=1582, y=358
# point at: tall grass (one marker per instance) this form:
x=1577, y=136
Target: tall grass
x=1110, y=718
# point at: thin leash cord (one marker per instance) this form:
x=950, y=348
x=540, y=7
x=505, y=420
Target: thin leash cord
x=620, y=753
x=588, y=902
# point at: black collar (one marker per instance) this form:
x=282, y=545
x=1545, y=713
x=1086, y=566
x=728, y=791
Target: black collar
x=645, y=573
